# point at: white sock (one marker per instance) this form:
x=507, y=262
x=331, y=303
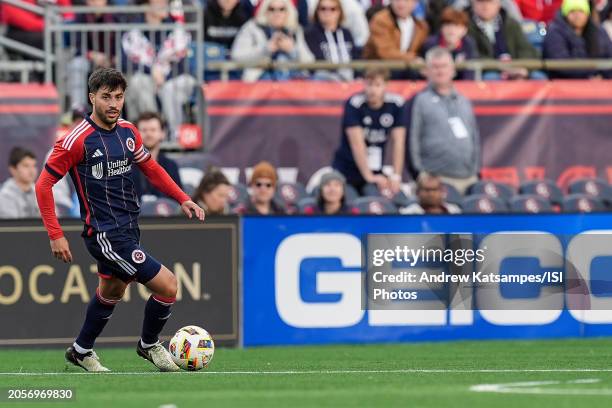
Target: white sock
x=80, y=349
x=145, y=345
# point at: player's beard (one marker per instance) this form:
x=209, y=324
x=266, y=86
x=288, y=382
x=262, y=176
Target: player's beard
x=110, y=122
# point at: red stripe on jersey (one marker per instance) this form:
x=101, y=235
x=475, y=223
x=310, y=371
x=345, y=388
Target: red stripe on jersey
x=83, y=195
x=73, y=136
x=81, y=192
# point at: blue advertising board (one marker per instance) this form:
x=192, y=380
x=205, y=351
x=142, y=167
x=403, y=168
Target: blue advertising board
x=302, y=281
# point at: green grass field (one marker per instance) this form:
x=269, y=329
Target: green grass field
x=567, y=373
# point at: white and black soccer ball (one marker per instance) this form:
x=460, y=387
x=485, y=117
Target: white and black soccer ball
x=192, y=348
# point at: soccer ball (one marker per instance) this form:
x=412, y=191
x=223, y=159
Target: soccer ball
x=192, y=348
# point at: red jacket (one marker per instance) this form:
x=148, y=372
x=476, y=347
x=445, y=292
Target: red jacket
x=26, y=20
x=539, y=10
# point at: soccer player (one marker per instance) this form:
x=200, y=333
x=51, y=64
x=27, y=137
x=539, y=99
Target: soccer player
x=371, y=118
x=99, y=154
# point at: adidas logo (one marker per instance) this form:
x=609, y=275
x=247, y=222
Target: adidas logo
x=97, y=153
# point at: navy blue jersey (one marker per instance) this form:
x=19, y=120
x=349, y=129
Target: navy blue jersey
x=100, y=162
x=376, y=125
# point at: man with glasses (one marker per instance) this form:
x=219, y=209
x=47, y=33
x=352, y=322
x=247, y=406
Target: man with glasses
x=263, y=186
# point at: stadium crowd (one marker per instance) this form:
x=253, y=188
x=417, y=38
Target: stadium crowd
x=442, y=155
x=337, y=31
x=442, y=160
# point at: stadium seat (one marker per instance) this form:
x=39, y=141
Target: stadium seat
x=190, y=176
x=530, y=203
x=452, y=195
x=289, y=194
x=582, y=203
x=400, y=199
x=484, y=204
x=597, y=188
x=492, y=189
x=374, y=205
x=162, y=207
x=189, y=189
x=238, y=194
x=306, y=205
x=350, y=193
x=547, y=189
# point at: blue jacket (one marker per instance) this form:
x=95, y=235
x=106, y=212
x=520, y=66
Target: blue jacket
x=562, y=42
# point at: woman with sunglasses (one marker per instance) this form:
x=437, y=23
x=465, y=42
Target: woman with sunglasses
x=272, y=35
x=262, y=189
x=328, y=41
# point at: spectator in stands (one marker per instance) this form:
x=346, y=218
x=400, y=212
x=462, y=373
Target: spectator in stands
x=99, y=52
x=430, y=198
x=273, y=35
x=453, y=36
x=213, y=192
x=222, y=21
x=371, y=118
x=151, y=128
x=26, y=26
x=354, y=19
x=17, y=196
x=263, y=185
x=433, y=13
x=499, y=36
x=442, y=130
x=159, y=65
x=396, y=35
x=606, y=17
x=331, y=199
x=252, y=7
x=328, y=41
x=574, y=35
x=539, y=10
x=509, y=6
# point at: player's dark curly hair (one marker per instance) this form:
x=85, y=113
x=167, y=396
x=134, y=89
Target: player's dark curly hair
x=106, y=78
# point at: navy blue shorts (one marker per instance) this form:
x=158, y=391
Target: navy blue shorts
x=119, y=254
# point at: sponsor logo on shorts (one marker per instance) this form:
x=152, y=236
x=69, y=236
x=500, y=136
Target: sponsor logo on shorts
x=138, y=256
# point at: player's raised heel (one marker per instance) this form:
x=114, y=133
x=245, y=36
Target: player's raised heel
x=159, y=356
x=88, y=361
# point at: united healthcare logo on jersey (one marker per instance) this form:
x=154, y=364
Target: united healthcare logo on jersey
x=302, y=283
x=97, y=170
x=113, y=168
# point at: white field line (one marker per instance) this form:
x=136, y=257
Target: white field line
x=541, y=388
x=325, y=372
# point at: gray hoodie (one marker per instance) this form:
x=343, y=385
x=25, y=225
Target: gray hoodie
x=15, y=203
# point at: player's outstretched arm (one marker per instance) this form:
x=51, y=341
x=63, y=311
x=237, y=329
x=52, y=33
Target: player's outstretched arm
x=162, y=181
x=46, y=204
